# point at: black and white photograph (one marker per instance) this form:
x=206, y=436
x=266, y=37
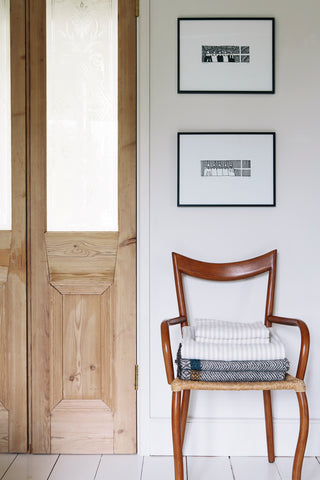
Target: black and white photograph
x=226, y=55
x=226, y=169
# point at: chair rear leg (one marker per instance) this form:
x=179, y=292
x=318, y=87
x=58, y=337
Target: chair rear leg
x=303, y=435
x=176, y=435
x=269, y=424
x=184, y=413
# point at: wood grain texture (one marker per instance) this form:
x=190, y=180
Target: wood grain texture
x=16, y=285
x=5, y=239
x=4, y=257
x=5, y=244
x=124, y=394
x=107, y=329
x=3, y=275
x=81, y=426
x=81, y=347
x=81, y=262
x=4, y=429
x=69, y=284
x=56, y=342
x=77, y=245
x=3, y=347
x=39, y=300
x=269, y=424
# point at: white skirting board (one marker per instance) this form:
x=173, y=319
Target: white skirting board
x=234, y=437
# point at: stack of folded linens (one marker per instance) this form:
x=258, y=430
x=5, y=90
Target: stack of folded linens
x=218, y=351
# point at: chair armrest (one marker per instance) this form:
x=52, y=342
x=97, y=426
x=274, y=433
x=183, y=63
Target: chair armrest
x=305, y=340
x=166, y=344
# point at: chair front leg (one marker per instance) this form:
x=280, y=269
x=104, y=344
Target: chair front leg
x=176, y=435
x=269, y=424
x=184, y=413
x=303, y=435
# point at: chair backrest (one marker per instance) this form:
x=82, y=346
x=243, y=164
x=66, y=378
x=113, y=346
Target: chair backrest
x=225, y=272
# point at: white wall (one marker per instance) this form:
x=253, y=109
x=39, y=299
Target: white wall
x=229, y=423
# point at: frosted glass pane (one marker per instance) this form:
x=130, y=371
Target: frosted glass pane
x=82, y=115
x=5, y=117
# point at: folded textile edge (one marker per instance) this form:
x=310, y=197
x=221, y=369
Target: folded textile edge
x=233, y=341
x=219, y=351
x=281, y=364
x=220, y=329
x=231, y=376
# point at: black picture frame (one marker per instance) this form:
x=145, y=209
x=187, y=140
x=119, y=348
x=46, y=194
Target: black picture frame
x=226, y=169
x=226, y=55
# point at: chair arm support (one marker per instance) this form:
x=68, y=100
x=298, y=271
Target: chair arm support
x=166, y=344
x=305, y=340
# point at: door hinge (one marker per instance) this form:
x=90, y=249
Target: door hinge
x=136, y=377
x=137, y=8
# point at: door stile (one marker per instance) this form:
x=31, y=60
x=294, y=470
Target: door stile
x=38, y=294
x=16, y=284
x=125, y=274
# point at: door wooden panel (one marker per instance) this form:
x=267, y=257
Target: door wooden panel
x=81, y=262
x=82, y=426
x=82, y=285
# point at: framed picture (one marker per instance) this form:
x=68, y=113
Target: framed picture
x=225, y=55
x=226, y=169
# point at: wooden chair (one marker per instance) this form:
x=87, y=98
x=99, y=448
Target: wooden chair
x=227, y=272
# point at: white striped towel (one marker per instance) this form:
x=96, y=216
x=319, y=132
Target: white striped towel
x=233, y=341
x=212, y=330
x=191, y=348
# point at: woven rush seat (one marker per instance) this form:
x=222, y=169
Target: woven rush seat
x=290, y=383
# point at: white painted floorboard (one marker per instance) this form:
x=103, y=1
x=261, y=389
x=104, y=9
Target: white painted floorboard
x=207, y=468
x=253, y=468
x=159, y=468
x=78, y=467
x=120, y=467
x=310, y=468
x=35, y=467
x=5, y=461
x=135, y=467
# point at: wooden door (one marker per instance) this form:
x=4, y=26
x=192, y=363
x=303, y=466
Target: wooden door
x=13, y=306
x=82, y=285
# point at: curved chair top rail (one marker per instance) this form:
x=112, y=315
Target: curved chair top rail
x=225, y=272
